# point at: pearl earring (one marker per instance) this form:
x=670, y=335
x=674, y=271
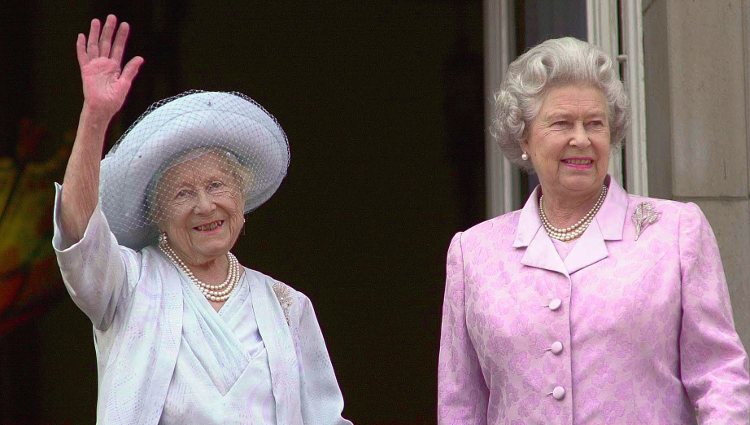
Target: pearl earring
x=525, y=156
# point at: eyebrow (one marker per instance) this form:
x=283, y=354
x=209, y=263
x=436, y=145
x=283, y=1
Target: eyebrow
x=178, y=188
x=193, y=181
x=555, y=115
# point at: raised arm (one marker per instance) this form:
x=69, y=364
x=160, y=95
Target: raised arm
x=105, y=86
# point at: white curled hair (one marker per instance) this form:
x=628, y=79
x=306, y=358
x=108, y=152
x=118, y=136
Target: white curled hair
x=554, y=63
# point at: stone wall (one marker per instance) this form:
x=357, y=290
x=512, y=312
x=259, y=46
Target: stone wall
x=697, y=112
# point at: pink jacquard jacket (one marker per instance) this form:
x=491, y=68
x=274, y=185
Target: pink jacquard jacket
x=622, y=331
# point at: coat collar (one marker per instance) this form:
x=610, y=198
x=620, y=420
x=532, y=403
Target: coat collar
x=277, y=337
x=607, y=225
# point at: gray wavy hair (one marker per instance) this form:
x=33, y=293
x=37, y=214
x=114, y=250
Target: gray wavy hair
x=554, y=63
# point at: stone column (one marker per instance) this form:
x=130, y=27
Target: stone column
x=696, y=54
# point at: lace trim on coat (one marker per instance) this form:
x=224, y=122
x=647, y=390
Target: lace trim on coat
x=284, y=295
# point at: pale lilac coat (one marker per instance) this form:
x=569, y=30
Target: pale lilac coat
x=645, y=326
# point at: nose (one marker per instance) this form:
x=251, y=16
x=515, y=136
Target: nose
x=204, y=203
x=580, y=137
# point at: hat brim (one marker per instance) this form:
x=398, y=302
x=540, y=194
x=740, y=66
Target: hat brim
x=197, y=120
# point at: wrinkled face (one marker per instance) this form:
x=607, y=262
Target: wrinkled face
x=568, y=142
x=201, y=207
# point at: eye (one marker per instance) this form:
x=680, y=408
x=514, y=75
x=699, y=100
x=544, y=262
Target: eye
x=183, y=194
x=215, y=185
x=560, y=124
x=596, y=123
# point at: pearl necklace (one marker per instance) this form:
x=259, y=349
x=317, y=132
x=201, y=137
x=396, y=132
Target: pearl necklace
x=571, y=232
x=218, y=293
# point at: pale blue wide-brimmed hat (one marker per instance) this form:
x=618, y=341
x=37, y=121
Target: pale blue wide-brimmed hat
x=227, y=121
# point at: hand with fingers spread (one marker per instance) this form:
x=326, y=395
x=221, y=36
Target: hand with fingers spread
x=105, y=82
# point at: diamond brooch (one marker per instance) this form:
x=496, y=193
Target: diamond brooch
x=644, y=215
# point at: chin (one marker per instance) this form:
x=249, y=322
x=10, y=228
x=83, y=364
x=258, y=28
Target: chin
x=582, y=183
x=213, y=248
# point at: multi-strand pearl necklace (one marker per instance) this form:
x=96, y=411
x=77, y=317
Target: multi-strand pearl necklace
x=571, y=232
x=218, y=293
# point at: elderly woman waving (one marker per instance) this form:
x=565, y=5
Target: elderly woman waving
x=183, y=332
x=589, y=305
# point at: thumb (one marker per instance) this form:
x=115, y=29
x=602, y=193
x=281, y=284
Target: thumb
x=131, y=69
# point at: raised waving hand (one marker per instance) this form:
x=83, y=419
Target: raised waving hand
x=105, y=82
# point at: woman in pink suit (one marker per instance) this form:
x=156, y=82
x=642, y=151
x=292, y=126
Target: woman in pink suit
x=589, y=305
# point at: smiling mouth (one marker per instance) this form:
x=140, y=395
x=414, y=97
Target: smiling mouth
x=578, y=161
x=209, y=226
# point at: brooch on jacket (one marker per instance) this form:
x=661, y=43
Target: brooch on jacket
x=284, y=295
x=644, y=215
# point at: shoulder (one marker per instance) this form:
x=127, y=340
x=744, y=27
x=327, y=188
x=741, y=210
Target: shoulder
x=677, y=211
x=499, y=231
x=677, y=222
x=665, y=205
x=277, y=286
x=292, y=301
x=151, y=261
x=500, y=223
x=149, y=254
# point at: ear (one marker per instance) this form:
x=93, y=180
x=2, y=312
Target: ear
x=524, y=143
x=161, y=226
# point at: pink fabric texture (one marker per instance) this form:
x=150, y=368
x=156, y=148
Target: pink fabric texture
x=643, y=334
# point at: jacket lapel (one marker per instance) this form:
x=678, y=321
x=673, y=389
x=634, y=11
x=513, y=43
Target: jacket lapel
x=587, y=250
x=540, y=252
x=163, y=340
x=277, y=338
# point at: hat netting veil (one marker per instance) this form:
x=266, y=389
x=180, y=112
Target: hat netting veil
x=224, y=143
